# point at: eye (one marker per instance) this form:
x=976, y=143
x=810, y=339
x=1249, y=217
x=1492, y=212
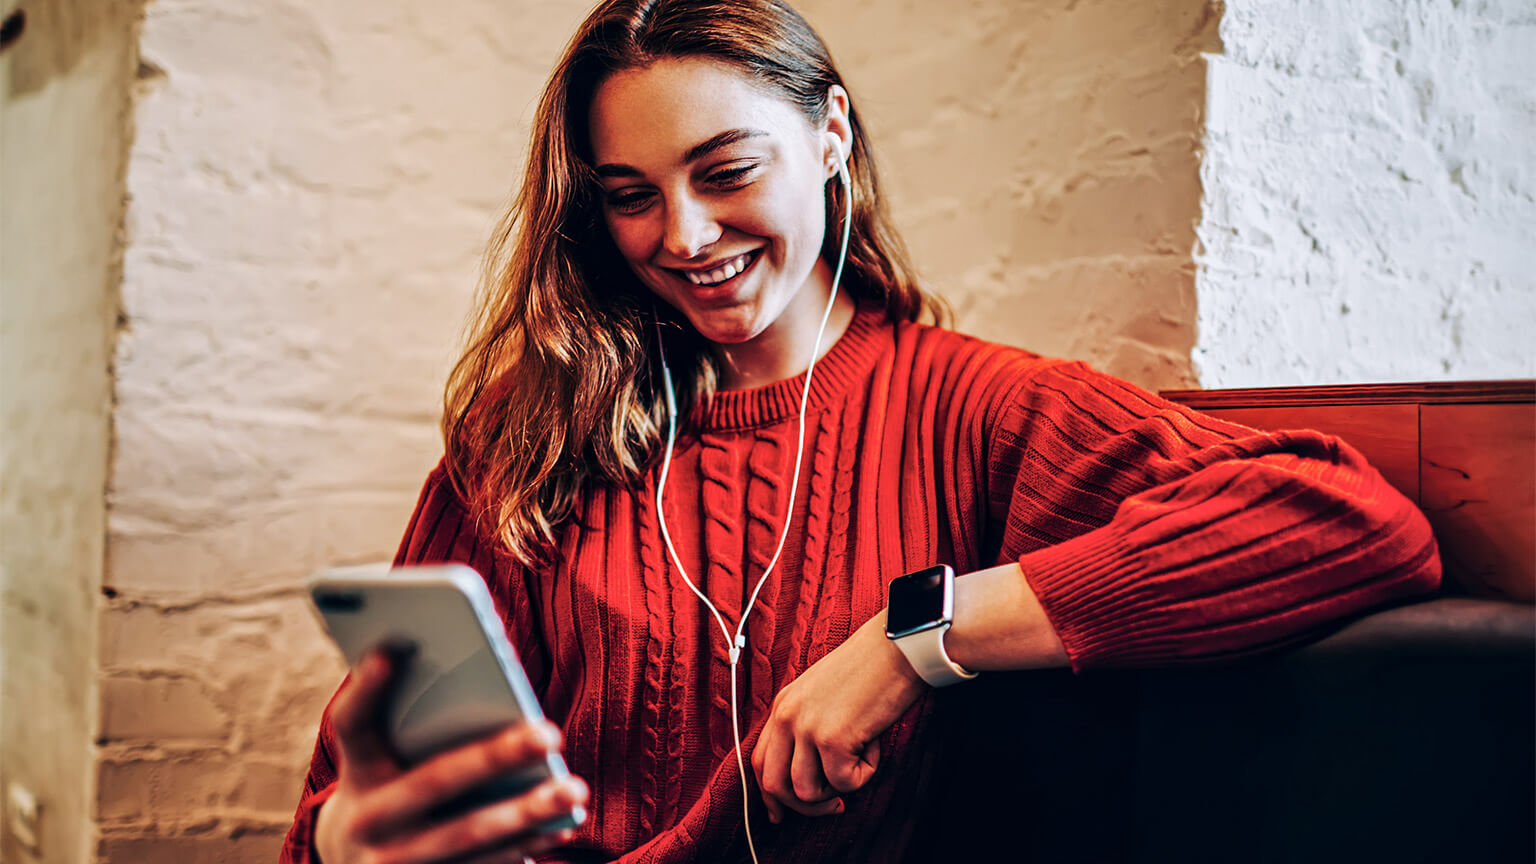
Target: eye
x=731, y=178
x=629, y=201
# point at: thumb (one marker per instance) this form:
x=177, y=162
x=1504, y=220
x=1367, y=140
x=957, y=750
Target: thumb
x=870, y=760
x=357, y=716
x=849, y=771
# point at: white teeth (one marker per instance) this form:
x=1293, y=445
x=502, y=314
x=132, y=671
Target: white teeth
x=719, y=274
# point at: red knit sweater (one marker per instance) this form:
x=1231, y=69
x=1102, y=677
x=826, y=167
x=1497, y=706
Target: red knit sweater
x=1151, y=534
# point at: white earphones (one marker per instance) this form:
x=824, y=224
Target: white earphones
x=736, y=644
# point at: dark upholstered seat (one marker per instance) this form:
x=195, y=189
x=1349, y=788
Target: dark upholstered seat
x=1409, y=735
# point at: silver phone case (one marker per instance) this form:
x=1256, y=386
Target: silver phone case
x=464, y=680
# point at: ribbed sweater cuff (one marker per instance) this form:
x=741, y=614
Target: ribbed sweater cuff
x=1094, y=592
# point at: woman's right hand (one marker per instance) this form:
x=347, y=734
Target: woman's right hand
x=378, y=813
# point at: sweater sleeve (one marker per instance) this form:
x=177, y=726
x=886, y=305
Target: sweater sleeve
x=1154, y=534
x=439, y=531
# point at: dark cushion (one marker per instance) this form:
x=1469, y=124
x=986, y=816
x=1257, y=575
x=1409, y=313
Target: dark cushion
x=1409, y=735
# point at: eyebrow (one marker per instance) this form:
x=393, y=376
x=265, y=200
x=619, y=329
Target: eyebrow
x=695, y=153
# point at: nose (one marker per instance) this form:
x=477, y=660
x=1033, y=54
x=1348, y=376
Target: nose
x=690, y=228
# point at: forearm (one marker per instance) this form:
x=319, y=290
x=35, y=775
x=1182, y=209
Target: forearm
x=1000, y=624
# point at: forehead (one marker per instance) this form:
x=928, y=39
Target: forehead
x=649, y=117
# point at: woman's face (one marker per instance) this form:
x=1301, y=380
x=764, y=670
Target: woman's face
x=714, y=193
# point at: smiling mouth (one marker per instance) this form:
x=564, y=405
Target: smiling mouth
x=721, y=273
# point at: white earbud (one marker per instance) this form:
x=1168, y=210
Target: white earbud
x=734, y=645
x=842, y=159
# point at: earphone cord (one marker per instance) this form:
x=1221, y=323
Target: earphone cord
x=735, y=645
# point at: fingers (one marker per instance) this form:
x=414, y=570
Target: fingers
x=444, y=777
x=819, y=805
x=830, y=807
x=357, y=716
x=770, y=761
x=506, y=828
x=773, y=758
x=509, y=854
x=775, y=809
x=805, y=776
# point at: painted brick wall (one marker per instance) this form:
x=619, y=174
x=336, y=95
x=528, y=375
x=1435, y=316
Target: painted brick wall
x=1370, y=193
x=312, y=184
x=1042, y=159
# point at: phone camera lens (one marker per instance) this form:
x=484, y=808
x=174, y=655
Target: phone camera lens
x=338, y=601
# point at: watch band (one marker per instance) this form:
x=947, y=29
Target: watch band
x=925, y=651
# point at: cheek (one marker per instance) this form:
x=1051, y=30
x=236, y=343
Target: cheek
x=635, y=238
x=790, y=214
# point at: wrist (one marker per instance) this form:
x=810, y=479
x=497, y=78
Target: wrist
x=1000, y=623
x=892, y=660
x=319, y=841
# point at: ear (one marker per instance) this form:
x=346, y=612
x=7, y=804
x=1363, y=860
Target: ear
x=837, y=129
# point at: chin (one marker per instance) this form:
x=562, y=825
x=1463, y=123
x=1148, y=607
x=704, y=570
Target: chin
x=729, y=326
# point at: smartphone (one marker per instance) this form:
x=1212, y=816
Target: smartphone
x=463, y=681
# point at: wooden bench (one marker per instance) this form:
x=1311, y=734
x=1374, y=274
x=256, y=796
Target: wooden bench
x=1465, y=452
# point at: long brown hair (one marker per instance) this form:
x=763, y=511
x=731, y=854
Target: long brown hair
x=554, y=389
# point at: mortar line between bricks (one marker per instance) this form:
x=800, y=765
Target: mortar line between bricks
x=126, y=601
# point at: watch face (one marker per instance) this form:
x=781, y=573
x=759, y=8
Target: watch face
x=916, y=601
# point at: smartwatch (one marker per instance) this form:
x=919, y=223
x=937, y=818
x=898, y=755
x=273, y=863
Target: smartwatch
x=919, y=610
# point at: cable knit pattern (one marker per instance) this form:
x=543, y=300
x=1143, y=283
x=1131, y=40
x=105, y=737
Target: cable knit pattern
x=817, y=522
x=718, y=571
x=836, y=591
x=1150, y=533
x=769, y=464
x=658, y=637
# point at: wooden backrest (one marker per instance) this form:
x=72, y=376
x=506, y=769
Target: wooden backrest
x=1465, y=452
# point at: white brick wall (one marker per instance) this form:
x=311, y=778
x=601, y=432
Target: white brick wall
x=1042, y=162
x=1370, y=193
x=312, y=184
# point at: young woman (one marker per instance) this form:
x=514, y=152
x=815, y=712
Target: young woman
x=684, y=199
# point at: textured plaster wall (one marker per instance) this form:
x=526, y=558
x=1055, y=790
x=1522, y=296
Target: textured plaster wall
x=1370, y=193
x=1042, y=161
x=311, y=187
x=64, y=86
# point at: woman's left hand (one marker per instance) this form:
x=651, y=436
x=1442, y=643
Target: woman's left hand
x=822, y=737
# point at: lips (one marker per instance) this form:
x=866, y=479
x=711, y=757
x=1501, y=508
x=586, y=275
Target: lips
x=720, y=272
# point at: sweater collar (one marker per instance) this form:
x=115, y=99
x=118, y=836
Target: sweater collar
x=847, y=362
